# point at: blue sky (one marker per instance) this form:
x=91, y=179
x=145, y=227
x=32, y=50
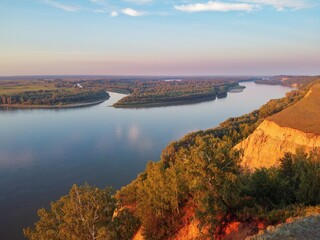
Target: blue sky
x=153, y=37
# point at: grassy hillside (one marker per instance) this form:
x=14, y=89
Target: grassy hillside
x=304, y=227
x=304, y=115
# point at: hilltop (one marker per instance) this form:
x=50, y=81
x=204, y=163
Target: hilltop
x=304, y=115
x=295, y=127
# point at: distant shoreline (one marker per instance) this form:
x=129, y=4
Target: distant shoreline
x=75, y=105
x=238, y=89
x=165, y=104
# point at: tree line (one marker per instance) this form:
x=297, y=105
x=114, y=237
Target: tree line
x=53, y=97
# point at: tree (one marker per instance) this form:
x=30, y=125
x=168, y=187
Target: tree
x=126, y=225
x=213, y=172
x=159, y=196
x=308, y=178
x=85, y=213
x=264, y=188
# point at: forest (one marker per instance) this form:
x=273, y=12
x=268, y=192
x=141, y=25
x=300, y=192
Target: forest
x=200, y=173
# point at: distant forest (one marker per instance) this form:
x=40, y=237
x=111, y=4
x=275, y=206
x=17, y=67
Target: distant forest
x=142, y=92
x=47, y=93
x=53, y=97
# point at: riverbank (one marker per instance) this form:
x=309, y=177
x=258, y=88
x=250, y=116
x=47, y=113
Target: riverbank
x=165, y=104
x=238, y=89
x=75, y=105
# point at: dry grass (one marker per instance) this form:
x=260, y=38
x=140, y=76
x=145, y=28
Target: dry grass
x=304, y=115
x=303, y=228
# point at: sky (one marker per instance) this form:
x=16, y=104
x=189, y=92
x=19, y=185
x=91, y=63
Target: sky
x=159, y=37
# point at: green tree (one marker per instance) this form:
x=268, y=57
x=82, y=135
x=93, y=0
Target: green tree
x=213, y=172
x=85, y=213
x=308, y=177
x=159, y=196
x=263, y=188
x=125, y=224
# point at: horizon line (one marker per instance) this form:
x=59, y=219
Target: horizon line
x=156, y=75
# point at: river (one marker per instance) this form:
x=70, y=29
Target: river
x=44, y=151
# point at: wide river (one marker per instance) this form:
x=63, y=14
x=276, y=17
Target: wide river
x=44, y=151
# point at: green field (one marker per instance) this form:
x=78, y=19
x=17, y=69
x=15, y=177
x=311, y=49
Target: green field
x=12, y=87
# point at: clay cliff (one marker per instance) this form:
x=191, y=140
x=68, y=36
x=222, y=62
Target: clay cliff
x=270, y=141
x=295, y=127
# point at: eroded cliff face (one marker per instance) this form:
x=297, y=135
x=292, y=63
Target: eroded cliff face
x=269, y=142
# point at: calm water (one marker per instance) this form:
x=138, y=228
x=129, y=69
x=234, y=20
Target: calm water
x=44, y=152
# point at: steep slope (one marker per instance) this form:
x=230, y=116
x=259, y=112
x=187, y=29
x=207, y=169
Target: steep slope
x=295, y=127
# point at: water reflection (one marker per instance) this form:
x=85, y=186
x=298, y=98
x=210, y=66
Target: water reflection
x=10, y=159
x=133, y=133
x=118, y=132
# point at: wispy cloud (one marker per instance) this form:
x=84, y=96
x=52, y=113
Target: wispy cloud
x=98, y=1
x=100, y=11
x=215, y=7
x=114, y=14
x=64, y=7
x=132, y=13
x=112, y=8
x=280, y=4
x=139, y=1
